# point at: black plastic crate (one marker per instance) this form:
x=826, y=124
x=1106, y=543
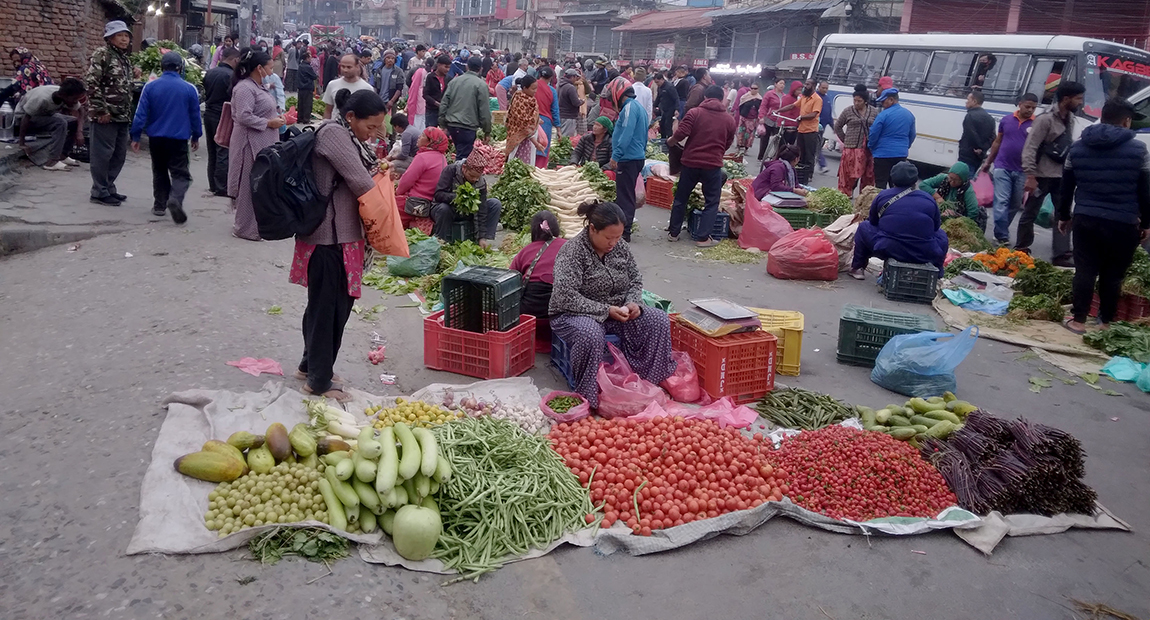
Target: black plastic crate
x=464, y=230
x=911, y=282
x=481, y=299
x=721, y=230
x=864, y=331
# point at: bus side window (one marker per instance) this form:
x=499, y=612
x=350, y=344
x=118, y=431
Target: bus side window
x=866, y=67
x=833, y=64
x=908, y=69
x=949, y=73
x=1143, y=108
x=1004, y=81
x=1045, y=76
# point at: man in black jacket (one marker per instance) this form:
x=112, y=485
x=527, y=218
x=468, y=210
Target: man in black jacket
x=217, y=91
x=433, y=88
x=1106, y=177
x=666, y=105
x=978, y=132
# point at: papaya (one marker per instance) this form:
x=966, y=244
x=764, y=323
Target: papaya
x=209, y=466
x=277, y=442
x=214, y=445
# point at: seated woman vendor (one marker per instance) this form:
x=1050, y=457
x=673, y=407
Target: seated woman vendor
x=537, y=264
x=954, y=187
x=597, y=292
x=904, y=224
x=778, y=175
x=443, y=211
x=418, y=182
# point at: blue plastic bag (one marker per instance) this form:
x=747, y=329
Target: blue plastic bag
x=922, y=364
x=1124, y=369
x=1143, y=381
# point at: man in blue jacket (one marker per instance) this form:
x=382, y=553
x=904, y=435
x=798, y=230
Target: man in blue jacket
x=890, y=136
x=169, y=112
x=628, y=147
x=1106, y=177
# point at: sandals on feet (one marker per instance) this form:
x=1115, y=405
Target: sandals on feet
x=1072, y=330
x=337, y=395
x=302, y=376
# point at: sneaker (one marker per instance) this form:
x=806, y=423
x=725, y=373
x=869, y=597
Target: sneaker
x=56, y=167
x=107, y=201
x=158, y=211
x=824, y=170
x=121, y=197
x=672, y=238
x=706, y=243
x=70, y=162
x=858, y=274
x=177, y=211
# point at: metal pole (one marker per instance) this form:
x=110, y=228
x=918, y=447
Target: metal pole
x=245, y=26
x=208, y=24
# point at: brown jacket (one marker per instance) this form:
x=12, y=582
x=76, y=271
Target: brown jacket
x=336, y=163
x=1045, y=128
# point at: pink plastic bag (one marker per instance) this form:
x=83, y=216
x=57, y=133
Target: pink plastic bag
x=622, y=393
x=984, y=188
x=805, y=254
x=723, y=411
x=683, y=386
x=575, y=413
x=762, y=227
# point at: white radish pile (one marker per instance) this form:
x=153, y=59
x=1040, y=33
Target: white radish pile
x=568, y=190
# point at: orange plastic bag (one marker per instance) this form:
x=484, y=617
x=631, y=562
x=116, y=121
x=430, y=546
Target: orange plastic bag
x=762, y=227
x=805, y=254
x=381, y=222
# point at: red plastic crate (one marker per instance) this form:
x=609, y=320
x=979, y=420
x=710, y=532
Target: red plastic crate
x=660, y=192
x=1130, y=307
x=491, y=355
x=741, y=366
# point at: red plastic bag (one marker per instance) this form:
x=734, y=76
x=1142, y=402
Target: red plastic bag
x=622, y=393
x=762, y=227
x=984, y=189
x=805, y=254
x=291, y=116
x=575, y=413
x=683, y=386
x=724, y=412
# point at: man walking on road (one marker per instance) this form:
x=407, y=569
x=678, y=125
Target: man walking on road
x=891, y=135
x=109, y=81
x=1107, y=180
x=977, y=132
x=666, y=104
x=709, y=130
x=1006, y=155
x=40, y=111
x=569, y=103
x=1042, y=157
x=217, y=91
x=464, y=108
x=169, y=112
x=628, y=147
x=826, y=119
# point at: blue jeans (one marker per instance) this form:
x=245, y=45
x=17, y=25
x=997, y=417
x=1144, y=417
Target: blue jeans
x=1008, y=191
x=463, y=139
x=712, y=180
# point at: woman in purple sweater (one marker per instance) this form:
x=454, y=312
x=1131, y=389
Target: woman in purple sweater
x=778, y=175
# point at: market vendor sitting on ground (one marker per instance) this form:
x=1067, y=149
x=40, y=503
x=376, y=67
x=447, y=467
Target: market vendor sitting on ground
x=778, y=175
x=595, y=145
x=419, y=180
x=597, y=291
x=536, y=262
x=52, y=111
x=904, y=225
x=954, y=187
x=443, y=212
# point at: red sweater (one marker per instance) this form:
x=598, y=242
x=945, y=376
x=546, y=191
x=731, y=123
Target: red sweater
x=422, y=175
x=709, y=131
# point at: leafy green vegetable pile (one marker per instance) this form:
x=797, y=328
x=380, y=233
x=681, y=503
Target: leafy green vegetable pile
x=1045, y=279
x=734, y=169
x=602, y=185
x=965, y=235
x=1039, y=307
x=1137, y=280
x=654, y=152
x=311, y=543
x=695, y=199
x=149, y=61
x=561, y=152
x=831, y=201
x=520, y=194
x=961, y=264
x=466, y=199
x=1122, y=338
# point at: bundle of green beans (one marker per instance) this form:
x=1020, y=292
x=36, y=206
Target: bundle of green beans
x=803, y=409
x=509, y=493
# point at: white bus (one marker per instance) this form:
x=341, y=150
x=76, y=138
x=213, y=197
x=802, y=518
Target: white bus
x=934, y=72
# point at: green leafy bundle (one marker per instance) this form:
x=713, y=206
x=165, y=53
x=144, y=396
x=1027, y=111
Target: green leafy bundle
x=561, y=152
x=965, y=235
x=466, y=199
x=735, y=169
x=1122, y=338
x=1039, y=307
x=830, y=201
x=148, y=61
x=311, y=543
x=1045, y=279
x=1137, y=281
x=602, y=185
x=499, y=132
x=654, y=152
x=520, y=194
x=961, y=264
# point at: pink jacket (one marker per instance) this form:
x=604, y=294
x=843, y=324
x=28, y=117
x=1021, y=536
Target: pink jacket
x=415, y=103
x=421, y=176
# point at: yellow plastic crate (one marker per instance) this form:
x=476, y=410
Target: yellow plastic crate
x=787, y=326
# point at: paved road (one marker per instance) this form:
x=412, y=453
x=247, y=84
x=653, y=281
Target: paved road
x=93, y=341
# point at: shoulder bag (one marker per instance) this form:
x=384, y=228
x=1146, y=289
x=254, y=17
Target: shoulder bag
x=223, y=135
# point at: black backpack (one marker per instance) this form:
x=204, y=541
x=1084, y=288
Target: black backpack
x=285, y=196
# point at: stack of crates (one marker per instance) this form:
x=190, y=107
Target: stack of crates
x=493, y=355
x=787, y=326
x=741, y=366
x=864, y=331
x=481, y=299
x=910, y=282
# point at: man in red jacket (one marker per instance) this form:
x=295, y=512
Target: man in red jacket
x=708, y=130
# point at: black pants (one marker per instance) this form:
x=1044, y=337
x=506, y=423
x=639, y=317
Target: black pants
x=667, y=124
x=808, y=151
x=486, y=221
x=290, y=80
x=303, y=107
x=882, y=168
x=1103, y=250
x=328, y=308
x=1060, y=243
x=712, y=180
x=462, y=138
x=170, y=176
x=626, y=175
x=217, y=156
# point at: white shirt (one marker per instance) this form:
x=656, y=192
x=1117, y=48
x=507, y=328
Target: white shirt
x=339, y=84
x=645, y=98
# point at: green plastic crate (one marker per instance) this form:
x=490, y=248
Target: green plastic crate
x=799, y=218
x=864, y=331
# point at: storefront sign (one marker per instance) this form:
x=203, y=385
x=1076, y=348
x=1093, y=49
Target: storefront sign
x=803, y=56
x=701, y=63
x=664, y=55
x=728, y=69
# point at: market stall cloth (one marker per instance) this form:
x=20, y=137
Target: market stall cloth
x=172, y=505
x=996, y=526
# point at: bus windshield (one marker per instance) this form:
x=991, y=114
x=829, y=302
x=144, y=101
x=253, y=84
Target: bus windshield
x=1112, y=72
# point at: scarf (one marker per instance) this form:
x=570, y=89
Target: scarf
x=493, y=77
x=366, y=153
x=750, y=95
x=522, y=118
x=436, y=140
x=31, y=72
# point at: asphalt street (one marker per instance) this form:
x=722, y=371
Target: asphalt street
x=94, y=339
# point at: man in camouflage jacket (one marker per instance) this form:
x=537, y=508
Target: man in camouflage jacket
x=109, y=81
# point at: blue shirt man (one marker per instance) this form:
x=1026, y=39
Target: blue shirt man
x=891, y=135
